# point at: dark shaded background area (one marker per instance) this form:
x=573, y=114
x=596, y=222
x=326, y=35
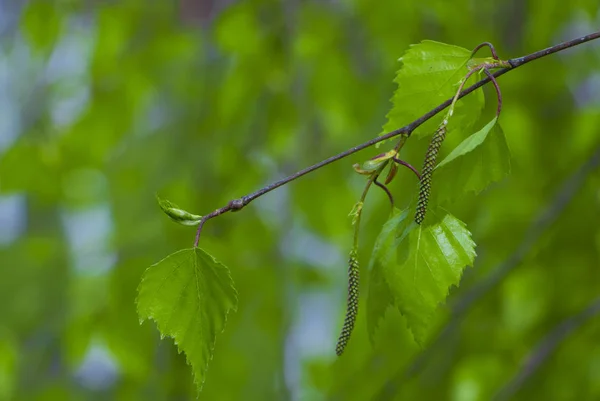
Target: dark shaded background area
x=105, y=103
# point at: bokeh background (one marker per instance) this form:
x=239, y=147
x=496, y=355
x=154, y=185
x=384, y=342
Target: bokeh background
x=103, y=104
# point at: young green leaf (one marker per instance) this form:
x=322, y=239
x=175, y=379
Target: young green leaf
x=470, y=143
x=420, y=263
x=430, y=74
x=371, y=165
x=189, y=295
x=177, y=214
x=479, y=160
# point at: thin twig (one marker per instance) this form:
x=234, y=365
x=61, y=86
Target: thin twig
x=498, y=91
x=233, y=206
x=488, y=44
x=387, y=191
x=545, y=348
x=405, y=131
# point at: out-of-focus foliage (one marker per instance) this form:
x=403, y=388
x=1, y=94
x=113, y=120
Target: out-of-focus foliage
x=104, y=104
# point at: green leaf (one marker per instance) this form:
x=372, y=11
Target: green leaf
x=479, y=160
x=420, y=263
x=430, y=74
x=189, y=295
x=177, y=214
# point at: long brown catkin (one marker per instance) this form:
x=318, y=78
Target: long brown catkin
x=427, y=172
x=352, y=304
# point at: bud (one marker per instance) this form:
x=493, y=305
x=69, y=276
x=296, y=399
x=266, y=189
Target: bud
x=178, y=215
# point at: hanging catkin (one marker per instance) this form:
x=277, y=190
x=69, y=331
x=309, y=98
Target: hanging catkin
x=428, y=166
x=352, y=306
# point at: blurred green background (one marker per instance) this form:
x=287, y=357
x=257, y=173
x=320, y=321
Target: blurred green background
x=105, y=103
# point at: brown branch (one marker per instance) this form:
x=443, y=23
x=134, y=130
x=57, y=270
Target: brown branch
x=238, y=204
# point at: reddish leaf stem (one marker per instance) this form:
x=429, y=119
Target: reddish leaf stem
x=498, y=91
x=488, y=44
x=405, y=164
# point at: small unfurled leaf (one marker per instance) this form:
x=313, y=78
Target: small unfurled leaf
x=358, y=168
x=477, y=161
x=419, y=264
x=374, y=163
x=430, y=74
x=177, y=214
x=189, y=295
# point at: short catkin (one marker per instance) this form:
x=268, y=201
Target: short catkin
x=352, y=305
x=427, y=172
